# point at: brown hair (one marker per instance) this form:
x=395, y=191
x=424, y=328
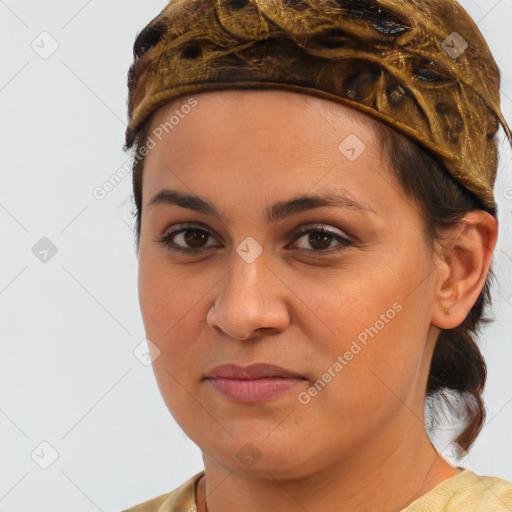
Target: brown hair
x=457, y=363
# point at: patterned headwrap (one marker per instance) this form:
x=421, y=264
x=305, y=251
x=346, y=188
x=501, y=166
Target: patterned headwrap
x=421, y=66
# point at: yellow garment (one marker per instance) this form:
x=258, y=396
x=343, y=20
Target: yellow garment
x=464, y=492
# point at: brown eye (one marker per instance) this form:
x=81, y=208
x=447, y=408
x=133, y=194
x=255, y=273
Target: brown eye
x=189, y=239
x=321, y=239
x=195, y=237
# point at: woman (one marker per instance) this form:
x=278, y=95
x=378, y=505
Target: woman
x=315, y=247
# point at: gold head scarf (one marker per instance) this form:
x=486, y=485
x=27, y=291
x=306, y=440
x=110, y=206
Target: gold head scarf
x=421, y=66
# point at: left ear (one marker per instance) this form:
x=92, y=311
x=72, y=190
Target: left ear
x=462, y=263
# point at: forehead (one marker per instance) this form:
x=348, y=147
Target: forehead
x=258, y=138
x=217, y=112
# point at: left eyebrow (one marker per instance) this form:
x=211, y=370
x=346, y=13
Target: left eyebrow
x=340, y=198
x=278, y=211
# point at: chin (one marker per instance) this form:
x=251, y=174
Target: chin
x=256, y=457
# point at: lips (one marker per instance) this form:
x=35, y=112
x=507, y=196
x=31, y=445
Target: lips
x=257, y=383
x=254, y=371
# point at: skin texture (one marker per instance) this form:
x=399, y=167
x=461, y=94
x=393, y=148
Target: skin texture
x=361, y=440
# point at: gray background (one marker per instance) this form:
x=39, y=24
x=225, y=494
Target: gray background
x=70, y=324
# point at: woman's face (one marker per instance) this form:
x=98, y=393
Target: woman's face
x=348, y=311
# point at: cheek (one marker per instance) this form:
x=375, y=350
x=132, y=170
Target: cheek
x=174, y=310
x=165, y=298
x=378, y=319
x=169, y=310
x=373, y=295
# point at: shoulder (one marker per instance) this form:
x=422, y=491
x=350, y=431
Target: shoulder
x=466, y=492
x=182, y=499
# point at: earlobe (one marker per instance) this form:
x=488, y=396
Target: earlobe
x=462, y=265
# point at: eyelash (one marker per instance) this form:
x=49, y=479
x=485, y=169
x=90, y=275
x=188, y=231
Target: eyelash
x=167, y=242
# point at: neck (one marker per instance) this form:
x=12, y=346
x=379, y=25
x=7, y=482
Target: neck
x=362, y=481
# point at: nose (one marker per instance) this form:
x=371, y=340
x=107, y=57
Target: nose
x=250, y=301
